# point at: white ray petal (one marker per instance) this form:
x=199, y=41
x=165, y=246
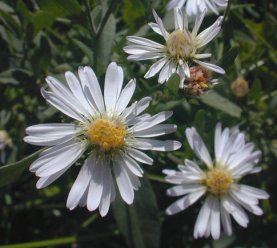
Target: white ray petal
x=157, y=145
x=97, y=168
x=123, y=182
x=155, y=68
x=155, y=131
x=210, y=66
x=125, y=96
x=198, y=146
x=62, y=106
x=79, y=187
x=140, y=156
x=107, y=191
x=61, y=161
x=113, y=86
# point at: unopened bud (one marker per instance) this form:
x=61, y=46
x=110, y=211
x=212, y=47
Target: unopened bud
x=240, y=87
x=5, y=140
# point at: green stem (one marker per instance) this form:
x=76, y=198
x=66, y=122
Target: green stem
x=88, y=10
x=227, y=10
x=154, y=178
x=44, y=243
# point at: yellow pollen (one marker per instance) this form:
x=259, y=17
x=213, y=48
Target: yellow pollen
x=218, y=181
x=179, y=45
x=106, y=134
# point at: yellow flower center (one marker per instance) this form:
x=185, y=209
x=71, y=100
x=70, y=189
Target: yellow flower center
x=106, y=135
x=218, y=181
x=179, y=45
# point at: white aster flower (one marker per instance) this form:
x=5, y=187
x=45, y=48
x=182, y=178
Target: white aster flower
x=225, y=197
x=108, y=132
x=195, y=7
x=180, y=48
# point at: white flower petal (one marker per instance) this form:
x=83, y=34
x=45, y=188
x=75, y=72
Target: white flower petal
x=144, y=42
x=258, y=193
x=48, y=141
x=62, y=106
x=155, y=28
x=157, y=145
x=92, y=88
x=97, y=169
x=108, y=187
x=236, y=211
x=160, y=24
x=203, y=217
x=79, y=187
x=123, y=182
x=198, y=146
x=113, y=86
x=215, y=219
x=225, y=220
x=184, y=202
x=46, y=181
x=208, y=34
x=61, y=161
x=152, y=121
x=132, y=165
x=125, y=96
x=140, y=156
x=184, y=189
x=157, y=130
x=209, y=66
x=52, y=129
x=155, y=68
x=63, y=94
x=77, y=91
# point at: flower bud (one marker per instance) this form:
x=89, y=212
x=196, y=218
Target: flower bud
x=240, y=87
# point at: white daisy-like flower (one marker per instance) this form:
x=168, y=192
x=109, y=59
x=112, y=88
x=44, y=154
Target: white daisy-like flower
x=180, y=48
x=225, y=196
x=105, y=130
x=195, y=7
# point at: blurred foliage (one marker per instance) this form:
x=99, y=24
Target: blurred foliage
x=48, y=37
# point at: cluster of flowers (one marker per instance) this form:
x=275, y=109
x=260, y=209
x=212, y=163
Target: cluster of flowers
x=113, y=136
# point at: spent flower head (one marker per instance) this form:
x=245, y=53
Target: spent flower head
x=180, y=50
x=109, y=134
x=219, y=182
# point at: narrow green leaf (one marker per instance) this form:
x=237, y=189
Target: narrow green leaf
x=43, y=243
x=217, y=101
x=60, y=8
x=105, y=44
x=9, y=173
x=85, y=50
x=139, y=222
x=229, y=57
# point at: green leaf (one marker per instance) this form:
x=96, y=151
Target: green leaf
x=105, y=44
x=60, y=8
x=139, y=222
x=217, y=101
x=229, y=57
x=9, y=173
x=40, y=20
x=85, y=50
x=132, y=10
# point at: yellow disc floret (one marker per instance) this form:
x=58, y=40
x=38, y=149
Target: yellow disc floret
x=218, y=181
x=179, y=45
x=106, y=134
